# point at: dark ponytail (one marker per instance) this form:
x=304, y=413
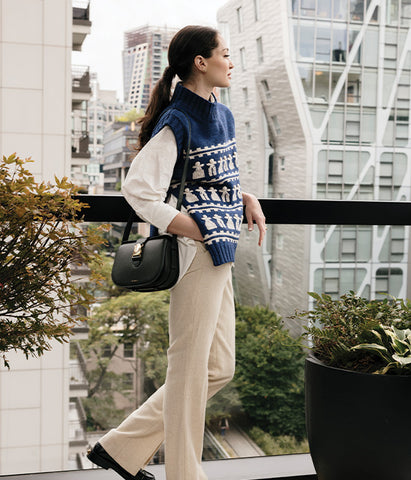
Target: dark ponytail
x=186, y=44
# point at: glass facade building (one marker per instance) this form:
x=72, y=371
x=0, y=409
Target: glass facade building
x=354, y=65
x=321, y=96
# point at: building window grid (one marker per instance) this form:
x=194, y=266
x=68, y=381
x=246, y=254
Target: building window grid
x=348, y=246
x=345, y=10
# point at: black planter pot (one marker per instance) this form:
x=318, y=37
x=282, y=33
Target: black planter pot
x=358, y=425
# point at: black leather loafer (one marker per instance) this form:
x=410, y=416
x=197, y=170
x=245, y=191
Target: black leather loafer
x=101, y=458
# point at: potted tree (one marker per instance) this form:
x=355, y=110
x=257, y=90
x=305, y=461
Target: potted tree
x=358, y=387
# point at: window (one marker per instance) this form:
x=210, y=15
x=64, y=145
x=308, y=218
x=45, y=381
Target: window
x=278, y=277
x=260, y=53
x=248, y=130
x=266, y=89
x=106, y=351
x=245, y=96
x=240, y=19
x=128, y=347
x=281, y=163
x=352, y=131
x=128, y=381
x=388, y=281
x=276, y=124
x=256, y=10
x=279, y=241
x=242, y=59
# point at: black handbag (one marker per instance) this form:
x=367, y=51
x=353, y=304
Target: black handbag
x=151, y=264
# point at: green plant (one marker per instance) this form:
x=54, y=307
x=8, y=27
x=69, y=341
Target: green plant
x=337, y=327
x=41, y=240
x=394, y=346
x=280, y=445
x=269, y=372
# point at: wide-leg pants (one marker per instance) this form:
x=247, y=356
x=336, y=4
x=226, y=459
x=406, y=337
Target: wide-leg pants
x=201, y=360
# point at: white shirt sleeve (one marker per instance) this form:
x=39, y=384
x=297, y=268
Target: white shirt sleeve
x=147, y=182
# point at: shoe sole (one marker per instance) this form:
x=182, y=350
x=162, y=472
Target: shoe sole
x=93, y=457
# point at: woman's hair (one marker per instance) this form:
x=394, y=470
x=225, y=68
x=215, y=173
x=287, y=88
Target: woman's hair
x=186, y=44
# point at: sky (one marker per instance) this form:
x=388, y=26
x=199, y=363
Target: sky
x=111, y=18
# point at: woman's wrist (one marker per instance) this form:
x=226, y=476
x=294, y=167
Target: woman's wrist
x=248, y=197
x=185, y=226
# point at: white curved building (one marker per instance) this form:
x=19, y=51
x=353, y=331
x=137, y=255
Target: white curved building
x=321, y=97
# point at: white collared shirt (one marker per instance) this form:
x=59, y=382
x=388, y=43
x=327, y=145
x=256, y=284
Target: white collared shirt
x=146, y=185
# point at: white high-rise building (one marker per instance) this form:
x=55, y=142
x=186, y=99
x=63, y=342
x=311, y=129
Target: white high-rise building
x=144, y=60
x=321, y=97
x=39, y=426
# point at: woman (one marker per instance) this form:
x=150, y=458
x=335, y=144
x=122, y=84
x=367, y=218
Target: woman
x=201, y=354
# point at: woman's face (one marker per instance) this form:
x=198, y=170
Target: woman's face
x=219, y=65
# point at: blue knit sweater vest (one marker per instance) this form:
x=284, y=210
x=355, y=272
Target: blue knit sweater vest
x=212, y=194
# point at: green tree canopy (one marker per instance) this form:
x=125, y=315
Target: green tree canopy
x=269, y=372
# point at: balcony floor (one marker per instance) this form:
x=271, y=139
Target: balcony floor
x=282, y=467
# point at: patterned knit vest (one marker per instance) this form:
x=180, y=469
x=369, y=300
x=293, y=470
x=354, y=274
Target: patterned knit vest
x=212, y=194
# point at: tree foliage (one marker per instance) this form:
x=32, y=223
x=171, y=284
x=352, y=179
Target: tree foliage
x=270, y=372
x=132, y=318
x=40, y=242
x=131, y=116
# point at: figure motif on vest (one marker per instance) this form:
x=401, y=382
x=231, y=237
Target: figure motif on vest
x=198, y=171
x=225, y=194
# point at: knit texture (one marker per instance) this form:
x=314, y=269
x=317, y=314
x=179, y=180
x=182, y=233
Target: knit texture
x=212, y=194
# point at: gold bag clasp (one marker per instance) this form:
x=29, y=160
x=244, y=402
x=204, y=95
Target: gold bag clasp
x=138, y=250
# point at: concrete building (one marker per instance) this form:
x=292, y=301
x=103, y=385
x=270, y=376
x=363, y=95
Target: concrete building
x=144, y=59
x=103, y=108
x=321, y=97
x=120, y=142
x=36, y=41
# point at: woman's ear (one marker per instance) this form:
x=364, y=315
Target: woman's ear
x=200, y=63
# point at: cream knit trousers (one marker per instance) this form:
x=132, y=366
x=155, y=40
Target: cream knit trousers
x=201, y=359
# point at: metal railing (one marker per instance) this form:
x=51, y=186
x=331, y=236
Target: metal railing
x=114, y=208
x=81, y=10
x=80, y=77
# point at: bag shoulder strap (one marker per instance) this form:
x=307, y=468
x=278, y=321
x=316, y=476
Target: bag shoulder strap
x=133, y=215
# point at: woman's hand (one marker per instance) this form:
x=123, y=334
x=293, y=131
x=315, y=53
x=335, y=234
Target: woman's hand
x=253, y=212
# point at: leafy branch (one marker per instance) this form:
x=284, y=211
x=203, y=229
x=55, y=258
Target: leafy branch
x=42, y=241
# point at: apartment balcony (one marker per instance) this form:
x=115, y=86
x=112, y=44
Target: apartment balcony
x=77, y=427
x=80, y=147
x=81, y=23
x=81, y=87
x=114, y=208
x=78, y=379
